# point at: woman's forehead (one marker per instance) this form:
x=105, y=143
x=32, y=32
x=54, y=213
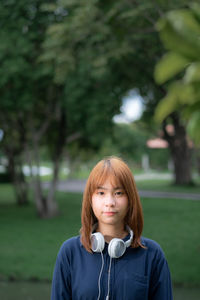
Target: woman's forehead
x=109, y=179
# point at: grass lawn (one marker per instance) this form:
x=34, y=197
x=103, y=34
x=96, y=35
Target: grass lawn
x=166, y=185
x=29, y=245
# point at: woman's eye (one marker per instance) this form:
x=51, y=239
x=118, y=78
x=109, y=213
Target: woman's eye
x=100, y=193
x=119, y=193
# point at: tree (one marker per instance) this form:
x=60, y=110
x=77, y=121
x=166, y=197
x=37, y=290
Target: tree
x=65, y=67
x=39, y=110
x=29, y=99
x=180, y=31
x=117, y=44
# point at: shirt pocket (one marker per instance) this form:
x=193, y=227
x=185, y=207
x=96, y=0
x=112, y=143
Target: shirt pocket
x=133, y=286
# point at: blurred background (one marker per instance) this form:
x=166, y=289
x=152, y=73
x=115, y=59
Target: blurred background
x=81, y=80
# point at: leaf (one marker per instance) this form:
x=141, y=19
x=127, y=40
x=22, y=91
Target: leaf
x=170, y=65
x=166, y=106
x=185, y=93
x=178, y=36
x=190, y=109
x=193, y=127
x=192, y=73
x=47, y=7
x=195, y=8
x=185, y=23
x=179, y=95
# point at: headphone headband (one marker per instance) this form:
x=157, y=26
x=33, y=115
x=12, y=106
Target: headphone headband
x=116, y=247
x=128, y=243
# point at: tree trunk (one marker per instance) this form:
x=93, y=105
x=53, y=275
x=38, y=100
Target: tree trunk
x=18, y=180
x=21, y=189
x=182, y=163
x=58, y=152
x=198, y=160
x=180, y=151
x=46, y=205
x=44, y=208
x=51, y=204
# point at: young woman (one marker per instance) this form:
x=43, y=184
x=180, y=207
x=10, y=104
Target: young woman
x=110, y=259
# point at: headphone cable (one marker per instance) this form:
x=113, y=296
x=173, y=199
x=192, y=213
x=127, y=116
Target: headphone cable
x=107, y=297
x=99, y=280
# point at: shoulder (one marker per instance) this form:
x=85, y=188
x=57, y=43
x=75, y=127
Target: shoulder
x=153, y=248
x=69, y=246
x=151, y=244
x=71, y=243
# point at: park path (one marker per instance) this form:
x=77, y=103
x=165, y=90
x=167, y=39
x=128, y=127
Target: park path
x=78, y=185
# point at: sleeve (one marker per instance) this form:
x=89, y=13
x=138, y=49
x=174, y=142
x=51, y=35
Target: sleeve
x=61, y=283
x=160, y=282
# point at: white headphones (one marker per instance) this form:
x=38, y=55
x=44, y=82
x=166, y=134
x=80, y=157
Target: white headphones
x=116, y=247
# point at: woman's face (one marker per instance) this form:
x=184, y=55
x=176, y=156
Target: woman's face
x=110, y=204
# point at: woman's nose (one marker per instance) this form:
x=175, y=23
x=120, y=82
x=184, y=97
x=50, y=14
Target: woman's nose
x=110, y=200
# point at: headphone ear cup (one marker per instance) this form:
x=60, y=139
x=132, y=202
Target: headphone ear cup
x=97, y=242
x=116, y=248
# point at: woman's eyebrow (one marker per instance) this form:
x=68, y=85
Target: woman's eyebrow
x=102, y=188
x=115, y=188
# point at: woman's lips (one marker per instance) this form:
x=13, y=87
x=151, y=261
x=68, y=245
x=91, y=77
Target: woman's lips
x=109, y=213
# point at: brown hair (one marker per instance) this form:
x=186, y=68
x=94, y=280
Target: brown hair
x=119, y=171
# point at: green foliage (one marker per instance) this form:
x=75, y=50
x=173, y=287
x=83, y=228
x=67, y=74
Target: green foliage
x=158, y=158
x=66, y=65
x=81, y=48
x=180, y=32
x=127, y=141
x=194, y=125
x=5, y=178
x=108, y=45
x=24, y=84
x=130, y=141
x=192, y=73
x=170, y=65
x=53, y=89
x=179, y=94
x=94, y=50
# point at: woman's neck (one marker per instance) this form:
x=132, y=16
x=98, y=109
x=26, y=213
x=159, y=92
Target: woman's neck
x=109, y=232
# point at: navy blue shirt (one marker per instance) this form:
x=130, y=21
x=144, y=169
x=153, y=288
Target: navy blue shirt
x=140, y=274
